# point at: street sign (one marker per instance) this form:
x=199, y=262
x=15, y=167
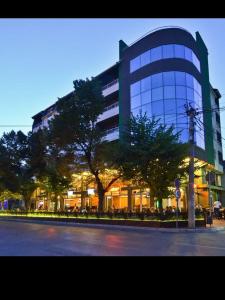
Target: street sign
x=177, y=183
x=177, y=194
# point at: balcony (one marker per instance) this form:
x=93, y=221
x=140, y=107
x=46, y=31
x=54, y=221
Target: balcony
x=112, y=134
x=37, y=126
x=110, y=88
x=109, y=112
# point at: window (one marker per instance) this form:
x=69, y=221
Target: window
x=135, y=89
x=145, y=58
x=219, y=140
x=170, y=119
x=218, y=118
x=188, y=53
x=156, y=54
x=145, y=97
x=168, y=51
x=189, y=80
x=164, y=52
x=200, y=140
x=181, y=106
x=180, y=78
x=182, y=121
x=180, y=92
x=198, y=100
x=157, y=94
x=190, y=94
x=170, y=108
x=136, y=111
x=169, y=92
x=135, y=64
x=220, y=157
x=165, y=96
x=183, y=134
x=169, y=78
x=157, y=108
x=146, y=84
x=135, y=101
x=157, y=80
x=147, y=109
x=179, y=51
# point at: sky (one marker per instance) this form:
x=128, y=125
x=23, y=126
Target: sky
x=40, y=58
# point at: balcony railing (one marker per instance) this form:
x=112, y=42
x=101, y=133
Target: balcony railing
x=110, y=88
x=111, y=106
x=110, y=84
x=112, y=134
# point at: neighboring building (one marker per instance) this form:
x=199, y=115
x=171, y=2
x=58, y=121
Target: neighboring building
x=159, y=74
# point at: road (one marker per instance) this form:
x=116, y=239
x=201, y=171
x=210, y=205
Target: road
x=18, y=238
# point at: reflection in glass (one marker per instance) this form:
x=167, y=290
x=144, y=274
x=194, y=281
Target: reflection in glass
x=180, y=78
x=145, y=58
x=164, y=95
x=169, y=92
x=169, y=78
x=157, y=108
x=136, y=111
x=135, y=101
x=168, y=51
x=146, y=84
x=157, y=80
x=135, y=64
x=164, y=52
x=170, y=106
x=147, y=109
x=179, y=51
x=156, y=54
x=157, y=94
x=180, y=92
x=188, y=54
x=145, y=97
x=135, y=89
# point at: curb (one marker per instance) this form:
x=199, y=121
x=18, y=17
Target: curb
x=117, y=227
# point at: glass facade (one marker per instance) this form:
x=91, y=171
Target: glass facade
x=164, y=52
x=164, y=96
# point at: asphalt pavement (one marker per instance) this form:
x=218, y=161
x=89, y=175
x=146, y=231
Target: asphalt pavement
x=25, y=238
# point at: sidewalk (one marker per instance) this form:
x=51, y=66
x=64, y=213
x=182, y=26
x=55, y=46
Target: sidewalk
x=217, y=225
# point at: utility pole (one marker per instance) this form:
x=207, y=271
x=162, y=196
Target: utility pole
x=191, y=112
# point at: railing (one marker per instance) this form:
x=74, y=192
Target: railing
x=108, y=131
x=111, y=106
x=110, y=84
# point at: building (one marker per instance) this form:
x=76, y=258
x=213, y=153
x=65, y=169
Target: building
x=159, y=74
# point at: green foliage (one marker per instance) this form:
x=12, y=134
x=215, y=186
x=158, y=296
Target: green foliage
x=17, y=174
x=75, y=130
x=151, y=155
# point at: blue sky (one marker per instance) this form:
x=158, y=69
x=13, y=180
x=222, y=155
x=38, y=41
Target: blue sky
x=40, y=58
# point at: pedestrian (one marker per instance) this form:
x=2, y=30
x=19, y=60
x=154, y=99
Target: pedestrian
x=217, y=206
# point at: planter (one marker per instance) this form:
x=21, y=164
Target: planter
x=153, y=223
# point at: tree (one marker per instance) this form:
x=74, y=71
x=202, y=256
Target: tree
x=17, y=172
x=75, y=127
x=152, y=156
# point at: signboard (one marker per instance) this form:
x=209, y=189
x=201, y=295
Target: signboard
x=177, y=183
x=177, y=194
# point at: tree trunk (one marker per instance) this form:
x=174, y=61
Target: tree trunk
x=62, y=208
x=152, y=201
x=55, y=203
x=27, y=204
x=101, y=194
